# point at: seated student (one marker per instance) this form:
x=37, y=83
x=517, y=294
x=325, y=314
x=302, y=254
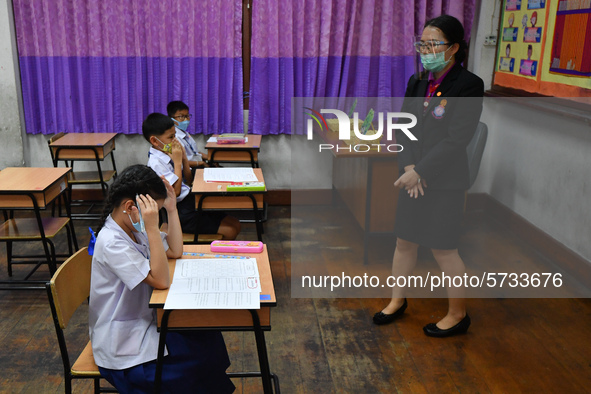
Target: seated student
x=130, y=259
x=179, y=113
x=167, y=157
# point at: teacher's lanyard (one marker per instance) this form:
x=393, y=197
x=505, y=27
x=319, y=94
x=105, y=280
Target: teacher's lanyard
x=431, y=91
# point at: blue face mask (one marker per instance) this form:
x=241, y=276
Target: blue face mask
x=138, y=226
x=434, y=62
x=182, y=125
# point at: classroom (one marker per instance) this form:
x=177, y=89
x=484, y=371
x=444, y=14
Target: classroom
x=354, y=196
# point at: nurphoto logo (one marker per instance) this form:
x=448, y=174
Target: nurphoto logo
x=368, y=139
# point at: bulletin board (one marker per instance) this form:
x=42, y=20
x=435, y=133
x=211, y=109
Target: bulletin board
x=544, y=48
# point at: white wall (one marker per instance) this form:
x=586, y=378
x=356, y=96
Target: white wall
x=281, y=156
x=536, y=163
x=314, y=171
x=11, y=149
x=482, y=57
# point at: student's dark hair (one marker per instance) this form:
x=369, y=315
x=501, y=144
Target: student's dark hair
x=156, y=124
x=136, y=179
x=175, y=106
x=454, y=32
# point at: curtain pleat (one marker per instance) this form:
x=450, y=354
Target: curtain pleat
x=334, y=48
x=103, y=66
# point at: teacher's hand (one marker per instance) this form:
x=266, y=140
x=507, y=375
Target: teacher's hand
x=414, y=191
x=412, y=183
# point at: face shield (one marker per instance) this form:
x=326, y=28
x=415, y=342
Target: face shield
x=430, y=56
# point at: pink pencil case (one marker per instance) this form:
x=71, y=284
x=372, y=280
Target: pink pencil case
x=237, y=246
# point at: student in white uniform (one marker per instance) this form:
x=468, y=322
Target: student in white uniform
x=168, y=158
x=130, y=259
x=178, y=111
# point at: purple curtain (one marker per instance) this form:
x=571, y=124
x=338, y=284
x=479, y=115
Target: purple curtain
x=103, y=66
x=334, y=48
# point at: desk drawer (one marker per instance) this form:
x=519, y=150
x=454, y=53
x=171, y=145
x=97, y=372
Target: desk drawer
x=235, y=156
x=229, y=202
x=235, y=318
x=43, y=197
x=81, y=153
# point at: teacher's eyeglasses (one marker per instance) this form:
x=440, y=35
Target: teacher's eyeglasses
x=428, y=46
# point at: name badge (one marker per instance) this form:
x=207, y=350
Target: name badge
x=439, y=111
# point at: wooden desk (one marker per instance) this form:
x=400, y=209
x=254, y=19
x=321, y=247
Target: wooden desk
x=222, y=319
x=28, y=188
x=365, y=182
x=215, y=196
x=85, y=147
x=236, y=153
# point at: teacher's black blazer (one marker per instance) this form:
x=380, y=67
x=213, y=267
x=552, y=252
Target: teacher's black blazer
x=444, y=128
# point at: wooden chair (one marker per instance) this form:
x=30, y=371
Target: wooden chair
x=67, y=290
x=28, y=229
x=99, y=177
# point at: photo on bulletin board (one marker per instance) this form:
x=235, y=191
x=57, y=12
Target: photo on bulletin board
x=532, y=34
x=520, y=46
x=507, y=63
x=510, y=34
x=513, y=5
x=528, y=67
x=536, y=4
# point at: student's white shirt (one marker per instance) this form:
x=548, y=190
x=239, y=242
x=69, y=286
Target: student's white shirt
x=189, y=144
x=122, y=327
x=162, y=164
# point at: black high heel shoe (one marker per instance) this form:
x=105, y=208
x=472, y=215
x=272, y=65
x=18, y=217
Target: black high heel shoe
x=382, y=318
x=432, y=330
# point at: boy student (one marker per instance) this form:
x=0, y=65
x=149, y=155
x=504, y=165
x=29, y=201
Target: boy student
x=179, y=113
x=167, y=158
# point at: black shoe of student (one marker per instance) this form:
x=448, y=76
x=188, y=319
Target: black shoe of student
x=382, y=318
x=432, y=330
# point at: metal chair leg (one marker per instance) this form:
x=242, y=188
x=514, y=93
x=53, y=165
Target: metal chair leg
x=9, y=257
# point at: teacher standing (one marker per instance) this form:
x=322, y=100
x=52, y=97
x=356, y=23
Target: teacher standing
x=434, y=175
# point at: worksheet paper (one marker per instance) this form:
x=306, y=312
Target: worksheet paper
x=229, y=174
x=215, y=284
x=236, y=300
